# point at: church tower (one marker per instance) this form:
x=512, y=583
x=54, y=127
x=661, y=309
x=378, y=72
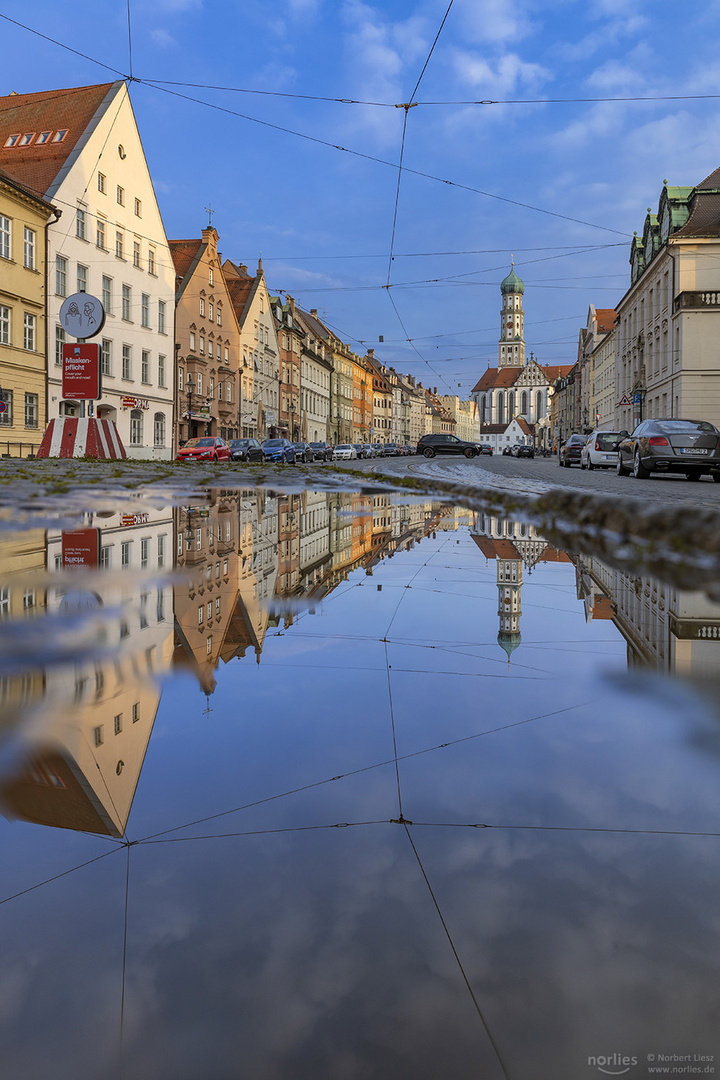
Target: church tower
x=509, y=583
x=512, y=334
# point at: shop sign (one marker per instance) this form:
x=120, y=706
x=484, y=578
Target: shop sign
x=81, y=547
x=135, y=403
x=134, y=519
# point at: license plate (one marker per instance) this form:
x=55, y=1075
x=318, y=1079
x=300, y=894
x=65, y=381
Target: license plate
x=694, y=450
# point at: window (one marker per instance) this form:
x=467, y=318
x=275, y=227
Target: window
x=211, y=387
x=59, y=135
x=98, y=735
x=161, y=371
x=12, y=140
x=126, y=302
x=4, y=601
x=80, y=223
x=192, y=341
x=202, y=344
x=60, y=275
x=31, y=410
x=119, y=244
x=138, y=208
x=4, y=325
x=160, y=539
x=136, y=253
x=29, y=332
x=228, y=391
x=161, y=316
x=43, y=138
x=106, y=357
x=227, y=355
x=107, y=294
x=120, y=195
x=125, y=554
x=219, y=317
x=151, y=260
x=59, y=342
x=211, y=276
x=100, y=234
x=201, y=612
x=202, y=306
x=210, y=312
x=144, y=552
x=210, y=349
x=145, y=310
x=105, y=556
x=117, y=723
x=29, y=248
x=82, y=272
x=181, y=378
x=6, y=417
x=145, y=366
x=136, y=712
x=199, y=382
x=127, y=362
x=136, y=427
x=101, y=182
x=5, y=237
x=159, y=441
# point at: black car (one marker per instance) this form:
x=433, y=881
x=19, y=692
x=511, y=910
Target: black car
x=571, y=451
x=246, y=450
x=691, y=447
x=304, y=452
x=486, y=448
x=322, y=450
x=430, y=445
x=524, y=451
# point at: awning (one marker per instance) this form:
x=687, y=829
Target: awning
x=203, y=417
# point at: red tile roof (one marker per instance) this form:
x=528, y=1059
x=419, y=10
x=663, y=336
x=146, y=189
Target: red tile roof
x=497, y=377
x=13, y=183
x=184, y=253
x=605, y=319
x=496, y=549
x=528, y=429
x=240, y=286
x=37, y=165
x=556, y=371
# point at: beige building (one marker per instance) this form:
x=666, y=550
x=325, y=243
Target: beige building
x=667, y=359
x=260, y=357
x=465, y=415
x=23, y=355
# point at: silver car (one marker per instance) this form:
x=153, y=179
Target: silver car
x=601, y=450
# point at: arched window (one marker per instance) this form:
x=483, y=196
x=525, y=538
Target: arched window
x=501, y=408
x=538, y=404
x=482, y=409
x=523, y=403
x=511, y=404
x=159, y=429
x=136, y=427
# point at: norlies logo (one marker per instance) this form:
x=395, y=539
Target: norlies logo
x=613, y=1064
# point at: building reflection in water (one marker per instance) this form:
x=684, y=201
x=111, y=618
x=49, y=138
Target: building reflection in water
x=241, y=562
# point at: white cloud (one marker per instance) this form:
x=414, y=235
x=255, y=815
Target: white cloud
x=492, y=20
x=162, y=39
x=498, y=77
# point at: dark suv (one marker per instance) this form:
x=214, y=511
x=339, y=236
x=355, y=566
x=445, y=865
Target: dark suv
x=571, y=451
x=430, y=445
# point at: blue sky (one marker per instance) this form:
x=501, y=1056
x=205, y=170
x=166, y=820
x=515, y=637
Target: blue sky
x=322, y=219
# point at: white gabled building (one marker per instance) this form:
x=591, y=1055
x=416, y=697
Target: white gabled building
x=81, y=149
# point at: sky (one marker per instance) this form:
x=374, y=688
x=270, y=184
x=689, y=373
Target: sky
x=288, y=122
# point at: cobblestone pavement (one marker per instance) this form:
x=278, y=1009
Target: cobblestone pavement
x=534, y=477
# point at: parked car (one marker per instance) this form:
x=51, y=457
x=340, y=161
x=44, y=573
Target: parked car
x=524, y=451
x=279, y=450
x=322, y=450
x=369, y=450
x=378, y=449
x=430, y=445
x=391, y=449
x=486, y=448
x=345, y=452
x=304, y=452
x=245, y=450
x=360, y=450
x=205, y=448
x=570, y=452
x=691, y=447
x=600, y=451
x=507, y=451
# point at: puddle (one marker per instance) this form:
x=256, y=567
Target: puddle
x=344, y=784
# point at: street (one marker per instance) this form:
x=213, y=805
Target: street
x=536, y=476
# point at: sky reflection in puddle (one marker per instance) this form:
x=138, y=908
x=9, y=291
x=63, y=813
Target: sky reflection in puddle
x=372, y=790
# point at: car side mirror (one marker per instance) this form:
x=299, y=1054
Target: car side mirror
x=624, y=434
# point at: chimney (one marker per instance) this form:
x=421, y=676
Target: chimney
x=243, y=268
x=435, y=390
x=291, y=302
x=371, y=353
x=313, y=311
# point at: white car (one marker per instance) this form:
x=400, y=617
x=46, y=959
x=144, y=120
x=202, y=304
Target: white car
x=601, y=450
x=346, y=451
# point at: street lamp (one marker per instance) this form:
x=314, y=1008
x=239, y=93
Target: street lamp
x=190, y=387
x=585, y=417
x=292, y=422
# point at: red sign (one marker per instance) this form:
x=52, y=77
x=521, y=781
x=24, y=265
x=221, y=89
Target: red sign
x=81, y=371
x=134, y=519
x=81, y=547
x=135, y=403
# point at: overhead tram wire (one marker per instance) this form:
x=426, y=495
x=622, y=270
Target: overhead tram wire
x=315, y=139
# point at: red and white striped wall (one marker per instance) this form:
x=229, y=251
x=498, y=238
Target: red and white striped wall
x=78, y=437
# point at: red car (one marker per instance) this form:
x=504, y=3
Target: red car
x=204, y=449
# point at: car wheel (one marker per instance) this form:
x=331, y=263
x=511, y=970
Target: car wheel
x=639, y=470
x=469, y=452
x=620, y=468
x=215, y=457
x=582, y=465
x=590, y=465
x=716, y=477
x=692, y=475
x=428, y=452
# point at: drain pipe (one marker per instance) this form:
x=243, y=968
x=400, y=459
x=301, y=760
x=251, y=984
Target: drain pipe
x=58, y=215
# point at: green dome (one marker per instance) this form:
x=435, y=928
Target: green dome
x=512, y=284
x=508, y=642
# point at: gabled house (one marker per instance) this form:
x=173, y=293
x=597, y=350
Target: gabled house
x=80, y=149
x=260, y=373
x=208, y=340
